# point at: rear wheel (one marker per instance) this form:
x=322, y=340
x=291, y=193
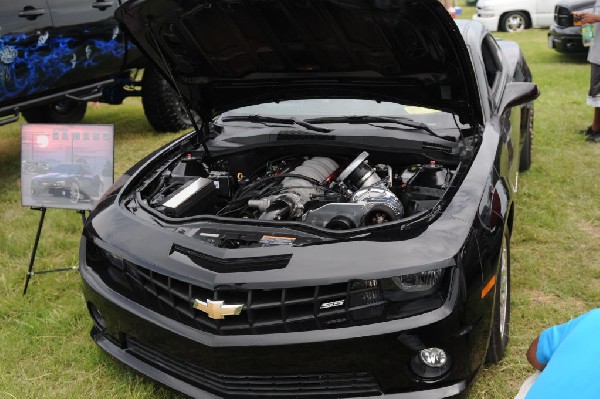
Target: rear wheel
x=62, y=111
x=501, y=318
x=513, y=21
x=163, y=107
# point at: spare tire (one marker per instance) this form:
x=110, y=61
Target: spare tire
x=163, y=107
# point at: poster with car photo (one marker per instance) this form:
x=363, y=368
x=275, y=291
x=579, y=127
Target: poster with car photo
x=65, y=166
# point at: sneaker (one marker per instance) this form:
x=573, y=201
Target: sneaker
x=587, y=131
x=594, y=137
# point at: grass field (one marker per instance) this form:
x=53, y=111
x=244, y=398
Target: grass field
x=45, y=346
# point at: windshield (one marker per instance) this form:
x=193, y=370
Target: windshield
x=66, y=169
x=329, y=107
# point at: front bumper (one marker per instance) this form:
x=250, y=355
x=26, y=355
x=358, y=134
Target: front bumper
x=566, y=40
x=49, y=188
x=191, y=390
x=490, y=23
x=361, y=361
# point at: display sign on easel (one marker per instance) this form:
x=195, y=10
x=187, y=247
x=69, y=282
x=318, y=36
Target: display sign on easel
x=64, y=166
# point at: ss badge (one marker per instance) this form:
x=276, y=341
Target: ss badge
x=327, y=305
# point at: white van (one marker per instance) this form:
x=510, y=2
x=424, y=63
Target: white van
x=515, y=15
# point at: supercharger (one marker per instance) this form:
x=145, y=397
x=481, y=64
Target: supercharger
x=367, y=199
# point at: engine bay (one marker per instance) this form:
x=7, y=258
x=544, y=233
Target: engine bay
x=335, y=192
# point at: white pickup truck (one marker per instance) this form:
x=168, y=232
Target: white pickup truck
x=515, y=15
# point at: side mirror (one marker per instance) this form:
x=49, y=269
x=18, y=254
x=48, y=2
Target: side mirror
x=518, y=93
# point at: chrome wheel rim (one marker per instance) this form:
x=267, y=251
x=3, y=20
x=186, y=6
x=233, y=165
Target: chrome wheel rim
x=74, y=193
x=515, y=23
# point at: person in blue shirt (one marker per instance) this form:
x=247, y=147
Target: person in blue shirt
x=568, y=357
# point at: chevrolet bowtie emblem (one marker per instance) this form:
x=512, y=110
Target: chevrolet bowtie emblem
x=216, y=309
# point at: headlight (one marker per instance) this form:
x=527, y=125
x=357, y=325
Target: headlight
x=399, y=296
x=418, y=282
x=410, y=286
x=97, y=257
x=107, y=265
x=60, y=183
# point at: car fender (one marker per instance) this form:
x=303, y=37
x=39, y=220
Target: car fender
x=512, y=54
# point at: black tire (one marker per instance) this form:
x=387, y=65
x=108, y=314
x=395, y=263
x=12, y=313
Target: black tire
x=62, y=111
x=74, y=193
x=525, y=161
x=501, y=317
x=164, y=109
x=513, y=21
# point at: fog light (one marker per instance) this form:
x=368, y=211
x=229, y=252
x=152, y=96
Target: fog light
x=431, y=363
x=433, y=357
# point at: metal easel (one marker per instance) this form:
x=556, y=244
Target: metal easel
x=30, y=271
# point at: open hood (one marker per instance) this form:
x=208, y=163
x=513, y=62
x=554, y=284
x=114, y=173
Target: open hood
x=224, y=54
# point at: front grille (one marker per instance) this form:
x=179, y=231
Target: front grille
x=563, y=16
x=325, y=385
x=265, y=311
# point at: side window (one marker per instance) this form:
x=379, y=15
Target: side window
x=522, y=72
x=492, y=61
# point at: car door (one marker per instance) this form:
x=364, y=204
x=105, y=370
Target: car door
x=545, y=12
x=90, y=42
x=509, y=126
x=23, y=34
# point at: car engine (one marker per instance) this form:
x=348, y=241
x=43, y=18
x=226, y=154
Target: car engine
x=336, y=193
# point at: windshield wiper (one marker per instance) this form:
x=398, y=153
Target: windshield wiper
x=366, y=119
x=270, y=119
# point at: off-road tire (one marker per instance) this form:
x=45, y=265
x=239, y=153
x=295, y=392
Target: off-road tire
x=164, y=109
x=501, y=317
x=62, y=111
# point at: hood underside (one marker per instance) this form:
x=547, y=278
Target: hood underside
x=223, y=54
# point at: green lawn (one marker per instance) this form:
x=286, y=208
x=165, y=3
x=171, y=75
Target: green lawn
x=46, y=350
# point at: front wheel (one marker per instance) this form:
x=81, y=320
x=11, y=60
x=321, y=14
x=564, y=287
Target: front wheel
x=62, y=111
x=74, y=193
x=100, y=189
x=525, y=158
x=501, y=317
x=514, y=21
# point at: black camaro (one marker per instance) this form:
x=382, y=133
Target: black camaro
x=73, y=180
x=339, y=224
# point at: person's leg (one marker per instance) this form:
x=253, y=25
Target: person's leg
x=596, y=123
x=594, y=100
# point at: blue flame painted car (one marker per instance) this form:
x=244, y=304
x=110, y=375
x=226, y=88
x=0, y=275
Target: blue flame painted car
x=53, y=58
x=57, y=55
